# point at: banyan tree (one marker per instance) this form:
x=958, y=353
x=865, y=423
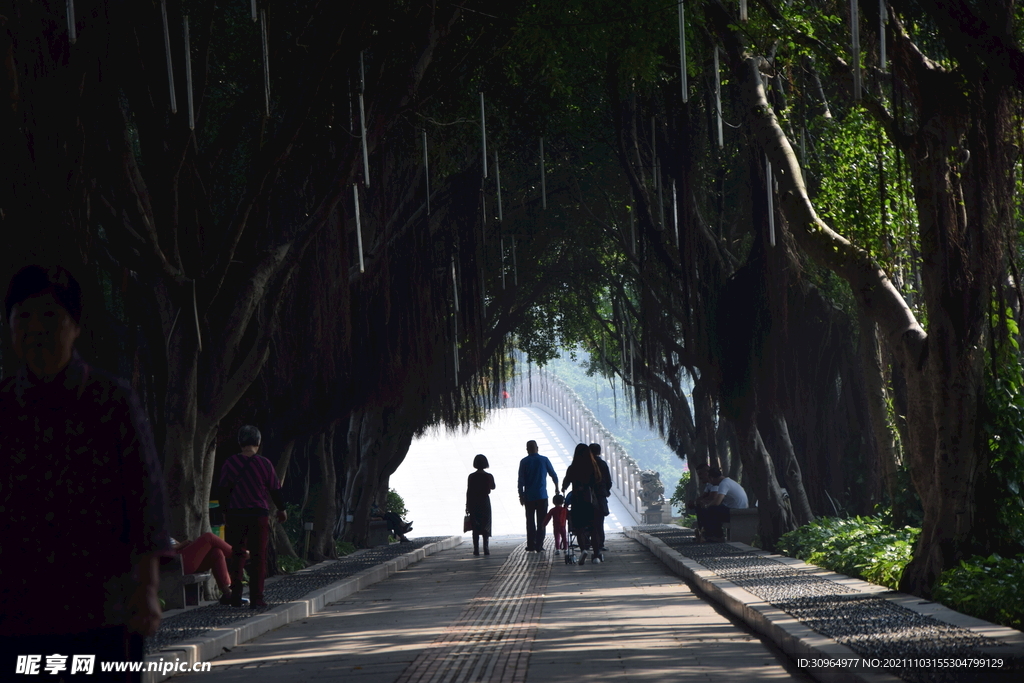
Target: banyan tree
x=789, y=233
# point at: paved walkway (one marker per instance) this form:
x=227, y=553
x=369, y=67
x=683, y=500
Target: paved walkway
x=516, y=617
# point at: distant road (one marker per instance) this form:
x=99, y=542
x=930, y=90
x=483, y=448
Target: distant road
x=432, y=480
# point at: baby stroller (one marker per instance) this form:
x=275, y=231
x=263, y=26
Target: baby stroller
x=571, y=545
x=580, y=522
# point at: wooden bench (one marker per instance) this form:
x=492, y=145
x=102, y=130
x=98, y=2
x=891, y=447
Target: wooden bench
x=378, y=533
x=742, y=525
x=178, y=589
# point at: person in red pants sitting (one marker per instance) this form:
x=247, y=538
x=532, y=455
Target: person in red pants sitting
x=208, y=553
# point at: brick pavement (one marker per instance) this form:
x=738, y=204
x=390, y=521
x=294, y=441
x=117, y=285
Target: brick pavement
x=456, y=618
x=490, y=640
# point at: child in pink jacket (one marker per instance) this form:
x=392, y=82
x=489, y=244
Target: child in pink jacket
x=559, y=514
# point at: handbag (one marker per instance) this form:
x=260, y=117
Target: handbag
x=467, y=523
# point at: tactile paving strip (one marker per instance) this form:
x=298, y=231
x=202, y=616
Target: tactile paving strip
x=490, y=641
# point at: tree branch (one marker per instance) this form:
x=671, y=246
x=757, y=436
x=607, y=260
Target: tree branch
x=868, y=281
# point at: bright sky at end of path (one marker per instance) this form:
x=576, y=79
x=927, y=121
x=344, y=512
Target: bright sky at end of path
x=432, y=479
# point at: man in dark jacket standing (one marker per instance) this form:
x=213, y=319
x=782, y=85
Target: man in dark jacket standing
x=533, y=494
x=251, y=483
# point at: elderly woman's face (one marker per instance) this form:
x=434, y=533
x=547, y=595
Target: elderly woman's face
x=43, y=334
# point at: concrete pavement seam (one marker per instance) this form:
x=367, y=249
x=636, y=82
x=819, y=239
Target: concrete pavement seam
x=207, y=647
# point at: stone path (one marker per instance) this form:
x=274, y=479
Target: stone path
x=512, y=616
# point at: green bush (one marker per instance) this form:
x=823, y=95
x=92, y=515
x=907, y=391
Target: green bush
x=344, y=548
x=865, y=547
x=679, y=497
x=869, y=548
x=396, y=504
x=288, y=564
x=1002, y=432
x=688, y=521
x=990, y=588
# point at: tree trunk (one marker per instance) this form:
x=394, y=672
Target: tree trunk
x=942, y=368
x=704, y=416
x=728, y=453
x=776, y=518
x=794, y=477
x=322, y=541
x=279, y=540
x=961, y=170
x=878, y=411
x=364, y=434
x=183, y=469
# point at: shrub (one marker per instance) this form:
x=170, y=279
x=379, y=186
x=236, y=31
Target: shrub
x=865, y=547
x=679, y=496
x=344, y=548
x=990, y=588
x=688, y=521
x=287, y=564
x=396, y=504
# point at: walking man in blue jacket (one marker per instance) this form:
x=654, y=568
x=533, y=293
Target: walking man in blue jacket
x=533, y=494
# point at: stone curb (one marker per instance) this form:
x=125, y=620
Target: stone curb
x=799, y=641
x=219, y=640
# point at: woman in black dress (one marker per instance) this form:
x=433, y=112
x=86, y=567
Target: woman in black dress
x=478, y=503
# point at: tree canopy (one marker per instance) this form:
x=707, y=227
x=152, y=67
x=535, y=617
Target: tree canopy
x=339, y=220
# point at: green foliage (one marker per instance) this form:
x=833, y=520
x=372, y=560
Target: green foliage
x=863, y=191
x=864, y=547
x=288, y=564
x=679, y=496
x=396, y=504
x=1002, y=434
x=344, y=548
x=688, y=520
x=990, y=588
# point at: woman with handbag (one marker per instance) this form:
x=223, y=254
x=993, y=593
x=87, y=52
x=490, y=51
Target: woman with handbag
x=585, y=477
x=478, y=504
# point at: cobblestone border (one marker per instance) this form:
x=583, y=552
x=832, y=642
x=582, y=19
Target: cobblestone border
x=799, y=641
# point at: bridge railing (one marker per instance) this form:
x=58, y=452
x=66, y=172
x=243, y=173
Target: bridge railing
x=548, y=392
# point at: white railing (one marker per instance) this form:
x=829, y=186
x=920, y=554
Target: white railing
x=543, y=390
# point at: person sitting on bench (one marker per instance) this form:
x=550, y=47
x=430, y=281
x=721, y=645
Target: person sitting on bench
x=704, y=486
x=713, y=511
x=397, y=527
x=208, y=553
